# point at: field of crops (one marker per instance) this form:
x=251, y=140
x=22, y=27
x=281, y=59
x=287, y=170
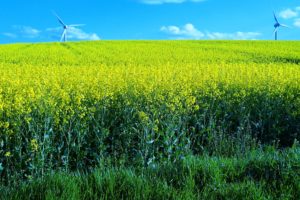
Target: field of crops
x=73, y=107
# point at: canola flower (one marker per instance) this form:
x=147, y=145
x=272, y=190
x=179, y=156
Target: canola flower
x=34, y=145
x=7, y=154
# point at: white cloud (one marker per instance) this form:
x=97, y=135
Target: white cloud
x=76, y=33
x=292, y=14
x=168, y=1
x=233, y=36
x=188, y=31
x=297, y=22
x=27, y=31
x=73, y=34
x=10, y=35
x=288, y=14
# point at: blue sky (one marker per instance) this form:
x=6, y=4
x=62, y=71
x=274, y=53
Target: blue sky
x=33, y=21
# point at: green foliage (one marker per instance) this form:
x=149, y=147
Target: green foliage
x=259, y=175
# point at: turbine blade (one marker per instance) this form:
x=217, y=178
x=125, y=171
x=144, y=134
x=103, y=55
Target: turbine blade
x=275, y=30
x=63, y=35
x=59, y=19
x=275, y=17
x=76, y=25
x=283, y=25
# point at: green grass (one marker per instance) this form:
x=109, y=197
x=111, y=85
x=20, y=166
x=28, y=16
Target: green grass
x=267, y=174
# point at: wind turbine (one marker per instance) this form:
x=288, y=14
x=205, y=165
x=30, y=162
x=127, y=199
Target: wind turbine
x=277, y=25
x=65, y=27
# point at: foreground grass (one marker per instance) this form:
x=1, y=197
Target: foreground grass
x=268, y=174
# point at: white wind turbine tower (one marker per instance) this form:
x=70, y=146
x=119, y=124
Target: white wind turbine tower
x=277, y=25
x=65, y=27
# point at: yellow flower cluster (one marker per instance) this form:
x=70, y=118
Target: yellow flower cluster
x=66, y=82
x=34, y=145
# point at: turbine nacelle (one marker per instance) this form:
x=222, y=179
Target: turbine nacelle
x=276, y=25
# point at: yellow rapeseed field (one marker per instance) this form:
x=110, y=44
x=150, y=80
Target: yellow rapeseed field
x=68, y=105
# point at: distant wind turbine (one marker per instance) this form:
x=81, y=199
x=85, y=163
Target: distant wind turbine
x=277, y=25
x=65, y=27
